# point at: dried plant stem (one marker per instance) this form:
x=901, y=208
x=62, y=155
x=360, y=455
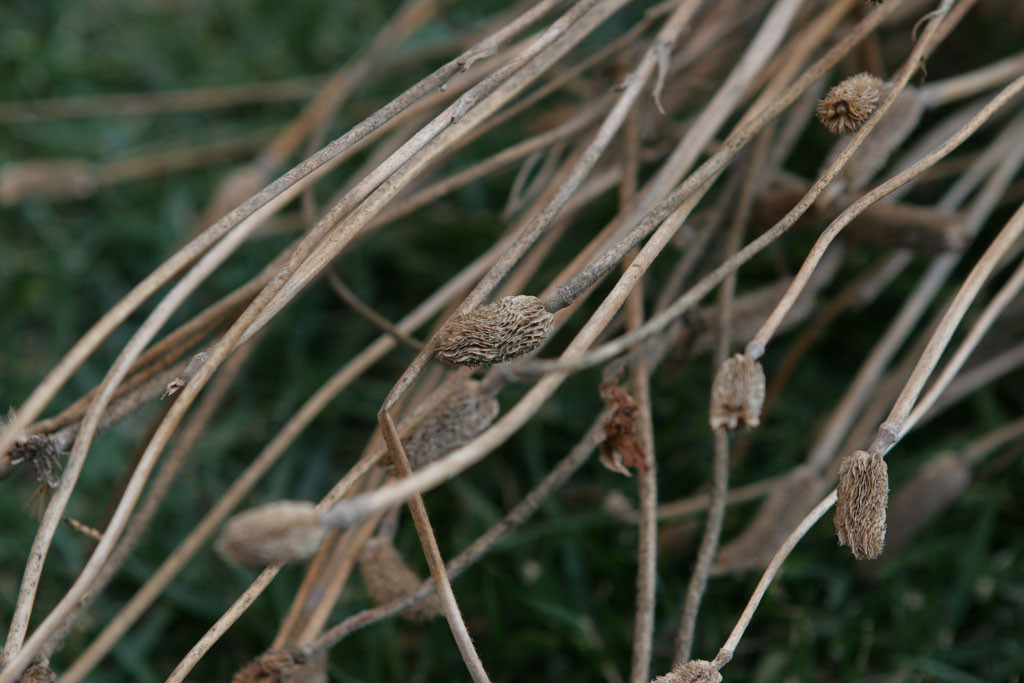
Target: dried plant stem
x=1006, y=294
x=980, y=375
x=530, y=503
x=702, y=501
x=726, y=652
x=267, y=457
x=899, y=81
x=971, y=83
x=375, y=318
x=895, y=425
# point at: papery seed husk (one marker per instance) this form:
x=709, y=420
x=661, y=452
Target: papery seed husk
x=846, y=107
x=282, y=531
x=506, y=329
x=862, y=499
x=693, y=671
x=458, y=414
x=387, y=578
x=737, y=393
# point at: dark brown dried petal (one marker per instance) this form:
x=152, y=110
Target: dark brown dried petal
x=737, y=394
x=506, y=329
x=694, y=671
x=863, y=496
x=848, y=105
x=282, y=531
x=276, y=666
x=387, y=577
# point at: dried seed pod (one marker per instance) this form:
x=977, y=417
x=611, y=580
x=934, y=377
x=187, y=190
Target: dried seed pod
x=693, y=671
x=276, y=666
x=737, y=394
x=848, y=105
x=622, y=447
x=506, y=329
x=42, y=452
x=863, y=496
x=282, y=531
x=185, y=375
x=387, y=577
x=37, y=672
x=457, y=416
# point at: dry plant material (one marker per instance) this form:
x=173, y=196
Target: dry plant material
x=848, y=105
x=41, y=451
x=737, y=394
x=933, y=489
x=387, y=578
x=458, y=417
x=862, y=498
x=278, y=666
x=506, y=329
x=887, y=137
x=38, y=673
x=188, y=373
x=693, y=671
x=282, y=531
x=52, y=180
x=621, y=448
x=922, y=228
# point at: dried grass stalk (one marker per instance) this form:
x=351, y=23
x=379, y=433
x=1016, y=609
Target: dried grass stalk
x=387, y=577
x=460, y=415
x=849, y=104
x=737, y=394
x=282, y=531
x=887, y=137
x=506, y=329
x=693, y=671
x=921, y=228
x=278, y=666
x=933, y=489
x=53, y=180
x=862, y=498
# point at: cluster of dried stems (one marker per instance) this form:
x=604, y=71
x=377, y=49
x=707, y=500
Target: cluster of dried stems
x=770, y=62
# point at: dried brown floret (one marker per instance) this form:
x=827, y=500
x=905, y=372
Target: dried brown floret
x=276, y=666
x=387, y=577
x=282, y=531
x=863, y=496
x=694, y=671
x=621, y=448
x=849, y=104
x=737, y=394
x=458, y=416
x=506, y=329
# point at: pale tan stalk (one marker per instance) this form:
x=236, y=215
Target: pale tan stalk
x=977, y=376
x=968, y=84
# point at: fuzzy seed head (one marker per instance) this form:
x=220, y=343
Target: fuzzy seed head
x=457, y=417
x=42, y=452
x=276, y=666
x=282, y=531
x=849, y=104
x=737, y=394
x=863, y=496
x=506, y=329
x=694, y=671
x=387, y=577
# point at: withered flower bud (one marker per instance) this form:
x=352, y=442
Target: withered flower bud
x=506, y=329
x=458, y=416
x=863, y=496
x=38, y=672
x=849, y=104
x=737, y=394
x=694, y=671
x=282, y=531
x=387, y=577
x=276, y=666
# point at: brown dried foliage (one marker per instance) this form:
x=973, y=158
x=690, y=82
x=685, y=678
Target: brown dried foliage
x=693, y=671
x=622, y=447
x=41, y=451
x=848, y=105
x=863, y=496
x=387, y=578
x=737, y=394
x=278, y=666
x=506, y=329
x=282, y=531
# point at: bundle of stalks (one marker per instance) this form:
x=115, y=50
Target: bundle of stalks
x=503, y=198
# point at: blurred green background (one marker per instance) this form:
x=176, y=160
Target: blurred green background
x=950, y=607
